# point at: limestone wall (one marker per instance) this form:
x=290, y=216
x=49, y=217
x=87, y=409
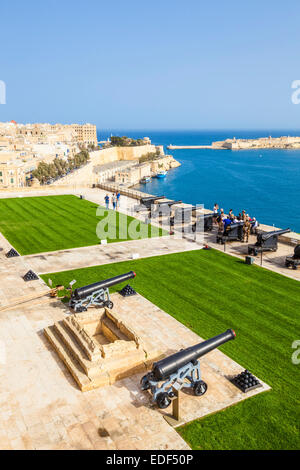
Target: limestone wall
x=99, y=157
x=120, y=153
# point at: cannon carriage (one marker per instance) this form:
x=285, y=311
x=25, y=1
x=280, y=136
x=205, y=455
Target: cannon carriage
x=232, y=232
x=96, y=294
x=162, y=209
x=266, y=242
x=294, y=260
x=182, y=215
x=204, y=223
x=180, y=370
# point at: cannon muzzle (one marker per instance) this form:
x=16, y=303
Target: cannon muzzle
x=83, y=292
x=266, y=236
x=165, y=367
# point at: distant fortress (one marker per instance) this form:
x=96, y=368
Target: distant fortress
x=241, y=144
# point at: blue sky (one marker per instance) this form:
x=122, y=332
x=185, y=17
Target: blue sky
x=151, y=65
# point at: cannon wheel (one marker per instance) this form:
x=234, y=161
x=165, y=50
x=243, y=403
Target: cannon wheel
x=163, y=400
x=200, y=388
x=145, y=383
x=81, y=309
x=109, y=304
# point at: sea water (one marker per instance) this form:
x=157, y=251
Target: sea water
x=264, y=182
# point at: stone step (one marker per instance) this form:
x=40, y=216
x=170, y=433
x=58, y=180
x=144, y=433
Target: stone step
x=72, y=365
x=91, y=368
x=82, y=341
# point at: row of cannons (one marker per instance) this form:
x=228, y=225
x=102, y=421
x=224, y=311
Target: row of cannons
x=188, y=218
x=174, y=372
x=192, y=219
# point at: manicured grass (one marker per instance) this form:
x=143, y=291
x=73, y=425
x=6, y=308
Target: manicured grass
x=50, y=223
x=209, y=291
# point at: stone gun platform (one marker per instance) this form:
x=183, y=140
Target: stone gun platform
x=98, y=348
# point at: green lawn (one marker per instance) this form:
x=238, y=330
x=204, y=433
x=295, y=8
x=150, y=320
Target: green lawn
x=209, y=291
x=50, y=223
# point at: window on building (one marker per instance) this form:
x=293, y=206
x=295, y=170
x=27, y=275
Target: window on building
x=11, y=180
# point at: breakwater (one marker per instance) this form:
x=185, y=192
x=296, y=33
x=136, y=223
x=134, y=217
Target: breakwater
x=181, y=147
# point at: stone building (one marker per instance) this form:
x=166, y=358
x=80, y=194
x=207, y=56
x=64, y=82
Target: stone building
x=13, y=174
x=133, y=175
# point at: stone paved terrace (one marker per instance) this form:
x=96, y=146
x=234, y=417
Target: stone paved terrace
x=40, y=404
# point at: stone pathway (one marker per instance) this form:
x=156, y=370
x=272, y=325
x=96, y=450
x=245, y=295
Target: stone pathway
x=106, y=254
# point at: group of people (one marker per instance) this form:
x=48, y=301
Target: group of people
x=224, y=221
x=115, y=199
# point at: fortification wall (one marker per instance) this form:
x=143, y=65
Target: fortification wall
x=114, y=154
x=86, y=174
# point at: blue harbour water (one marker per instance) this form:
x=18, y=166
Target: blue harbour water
x=266, y=183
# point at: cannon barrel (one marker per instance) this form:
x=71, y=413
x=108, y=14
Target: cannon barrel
x=266, y=236
x=165, y=367
x=186, y=209
x=168, y=203
x=83, y=292
x=148, y=199
x=205, y=216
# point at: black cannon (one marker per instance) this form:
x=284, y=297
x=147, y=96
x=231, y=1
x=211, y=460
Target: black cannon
x=97, y=293
x=204, y=223
x=266, y=242
x=293, y=261
x=162, y=208
x=147, y=202
x=232, y=232
x=182, y=215
x=181, y=369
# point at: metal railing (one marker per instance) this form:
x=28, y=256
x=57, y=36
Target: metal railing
x=114, y=187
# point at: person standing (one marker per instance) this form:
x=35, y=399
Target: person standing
x=106, y=199
x=118, y=198
x=246, y=229
x=114, y=201
x=220, y=225
x=215, y=213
